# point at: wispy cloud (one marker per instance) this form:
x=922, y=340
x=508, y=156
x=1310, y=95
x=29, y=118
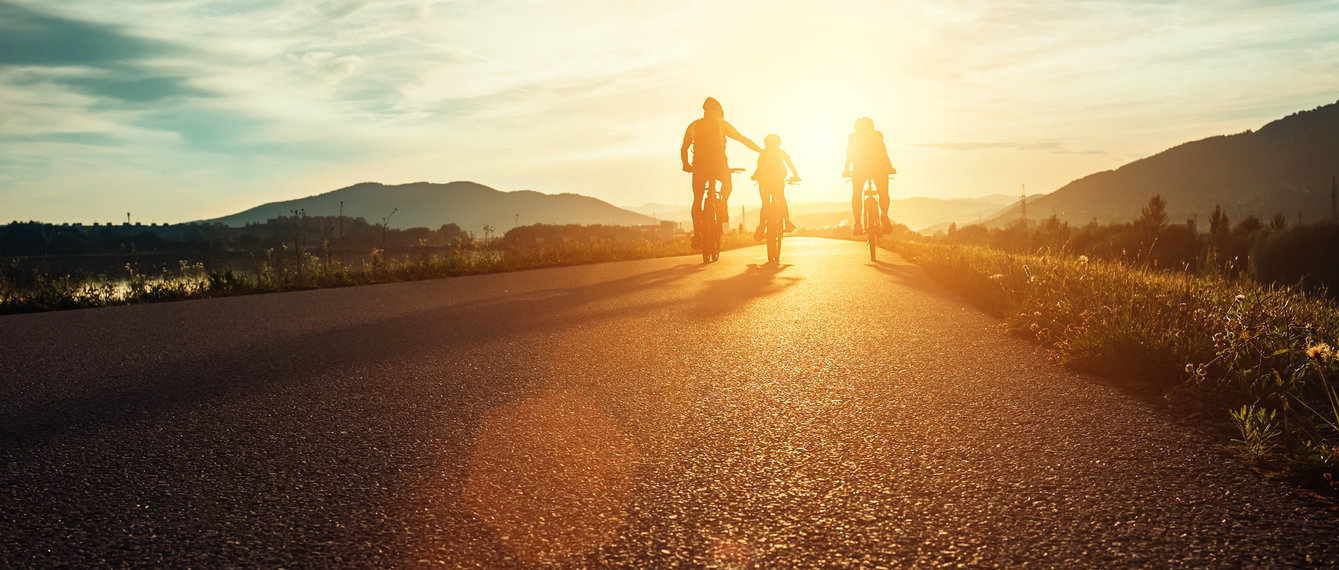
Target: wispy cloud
x=244, y=101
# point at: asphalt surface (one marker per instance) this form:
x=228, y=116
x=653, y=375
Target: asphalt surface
x=825, y=412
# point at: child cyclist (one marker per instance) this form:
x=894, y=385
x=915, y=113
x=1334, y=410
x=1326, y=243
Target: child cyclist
x=771, y=177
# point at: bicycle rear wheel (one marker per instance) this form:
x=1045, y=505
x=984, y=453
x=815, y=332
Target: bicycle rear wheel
x=711, y=250
x=774, y=229
x=872, y=229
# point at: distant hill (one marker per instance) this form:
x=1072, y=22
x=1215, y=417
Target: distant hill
x=466, y=204
x=1285, y=167
x=915, y=212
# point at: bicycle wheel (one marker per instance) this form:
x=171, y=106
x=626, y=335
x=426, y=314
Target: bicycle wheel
x=872, y=229
x=705, y=233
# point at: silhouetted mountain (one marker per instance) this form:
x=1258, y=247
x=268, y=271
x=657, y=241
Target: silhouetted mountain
x=1285, y=167
x=466, y=204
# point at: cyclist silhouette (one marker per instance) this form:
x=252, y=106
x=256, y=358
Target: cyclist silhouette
x=707, y=136
x=771, y=177
x=867, y=159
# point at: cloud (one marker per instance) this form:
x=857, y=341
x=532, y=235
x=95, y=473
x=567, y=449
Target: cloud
x=28, y=37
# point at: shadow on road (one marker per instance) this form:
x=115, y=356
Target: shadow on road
x=915, y=277
x=181, y=382
x=756, y=281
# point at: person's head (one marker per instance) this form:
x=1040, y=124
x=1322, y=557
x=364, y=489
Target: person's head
x=712, y=108
x=864, y=124
x=772, y=141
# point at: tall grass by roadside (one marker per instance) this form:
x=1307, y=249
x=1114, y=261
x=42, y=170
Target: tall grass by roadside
x=1263, y=351
x=286, y=270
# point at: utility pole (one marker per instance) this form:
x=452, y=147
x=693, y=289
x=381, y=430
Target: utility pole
x=384, y=223
x=1023, y=204
x=517, y=222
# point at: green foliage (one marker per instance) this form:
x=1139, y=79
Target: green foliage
x=1258, y=431
x=286, y=269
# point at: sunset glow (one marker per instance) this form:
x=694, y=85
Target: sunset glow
x=192, y=110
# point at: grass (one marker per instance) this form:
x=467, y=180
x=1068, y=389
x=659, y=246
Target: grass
x=1200, y=340
x=283, y=269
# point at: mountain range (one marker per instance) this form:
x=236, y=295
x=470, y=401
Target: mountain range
x=1286, y=167
x=466, y=204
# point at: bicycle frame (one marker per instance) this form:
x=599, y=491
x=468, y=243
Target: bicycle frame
x=873, y=223
x=774, y=223
x=711, y=218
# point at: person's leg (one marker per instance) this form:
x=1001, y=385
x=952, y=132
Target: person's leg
x=758, y=233
x=762, y=211
x=700, y=183
x=881, y=182
x=725, y=196
x=857, y=183
x=785, y=207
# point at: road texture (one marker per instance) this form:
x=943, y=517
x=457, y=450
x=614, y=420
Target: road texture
x=825, y=412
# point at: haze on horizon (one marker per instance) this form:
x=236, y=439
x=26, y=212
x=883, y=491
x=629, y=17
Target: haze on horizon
x=196, y=109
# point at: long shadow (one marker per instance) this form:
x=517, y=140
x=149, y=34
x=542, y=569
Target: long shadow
x=756, y=281
x=916, y=278
x=304, y=433
x=180, y=381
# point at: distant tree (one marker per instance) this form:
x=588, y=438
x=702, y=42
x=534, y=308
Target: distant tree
x=1278, y=222
x=1248, y=225
x=1218, y=222
x=1154, y=215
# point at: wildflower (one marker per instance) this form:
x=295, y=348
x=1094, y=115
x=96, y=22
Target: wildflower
x=1190, y=368
x=1036, y=314
x=1322, y=351
x=997, y=277
x=1241, y=297
x=1033, y=327
x=1083, y=260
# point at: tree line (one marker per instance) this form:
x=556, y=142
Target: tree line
x=1270, y=251
x=299, y=231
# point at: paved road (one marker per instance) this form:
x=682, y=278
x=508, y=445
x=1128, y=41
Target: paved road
x=659, y=413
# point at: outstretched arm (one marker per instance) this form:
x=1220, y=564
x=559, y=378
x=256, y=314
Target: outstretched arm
x=734, y=134
x=793, y=172
x=683, y=150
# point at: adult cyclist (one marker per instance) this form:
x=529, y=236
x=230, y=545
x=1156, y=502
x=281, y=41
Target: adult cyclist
x=866, y=159
x=706, y=136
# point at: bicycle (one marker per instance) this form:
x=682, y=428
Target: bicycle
x=873, y=221
x=712, y=218
x=774, y=222
x=873, y=225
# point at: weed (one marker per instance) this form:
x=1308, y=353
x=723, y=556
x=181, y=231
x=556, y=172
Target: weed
x=1205, y=339
x=1258, y=431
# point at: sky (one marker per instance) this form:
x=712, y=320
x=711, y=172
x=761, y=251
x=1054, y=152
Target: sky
x=179, y=110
